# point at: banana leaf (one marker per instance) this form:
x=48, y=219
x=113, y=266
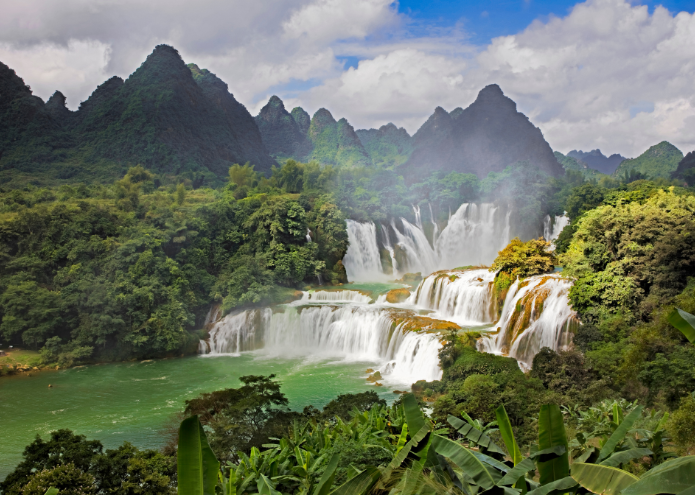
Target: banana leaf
x=265, y=486
x=604, y=480
x=673, y=476
x=398, y=460
x=326, y=481
x=505, y=427
x=688, y=491
x=551, y=433
x=685, y=322
x=586, y=455
x=413, y=414
x=474, y=435
x=403, y=438
x=51, y=491
x=619, y=458
x=479, y=472
x=548, y=454
x=518, y=472
x=197, y=465
x=619, y=433
x=558, y=486
x=360, y=484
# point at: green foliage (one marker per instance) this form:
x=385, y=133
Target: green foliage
x=681, y=424
x=661, y=160
x=524, y=259
x=130, y=270
x=76, y=465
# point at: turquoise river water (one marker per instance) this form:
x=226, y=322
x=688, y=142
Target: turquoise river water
x=136, y=401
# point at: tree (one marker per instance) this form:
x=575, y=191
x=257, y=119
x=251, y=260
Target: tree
x=180, y=194
x=524, y=259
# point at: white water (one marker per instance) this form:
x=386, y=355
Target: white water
x=466, y=300
x=553, y=227
x=351, y=332
x=473, y=236
x=336, y=296
x=362, y=261
x=544, y=299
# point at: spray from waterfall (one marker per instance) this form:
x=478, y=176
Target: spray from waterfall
x=553, y=227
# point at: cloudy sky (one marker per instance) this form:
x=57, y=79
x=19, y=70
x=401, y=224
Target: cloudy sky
x=608, y=74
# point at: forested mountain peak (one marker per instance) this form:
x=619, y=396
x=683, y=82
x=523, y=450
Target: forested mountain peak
x=597, y=160
x=686, y=169
x=281, y=135
x=321, y=119
x=301, y=117
x=488, y=136
x=660, y=160
x=11, y=85
x=387, y=146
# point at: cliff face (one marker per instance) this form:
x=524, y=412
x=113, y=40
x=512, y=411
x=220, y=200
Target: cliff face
x=597, y=160
x=486, y=137
x=172, y=119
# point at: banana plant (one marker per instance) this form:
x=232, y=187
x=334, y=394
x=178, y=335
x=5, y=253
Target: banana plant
x=52, y=491
x=197, y=465
x=683, y=321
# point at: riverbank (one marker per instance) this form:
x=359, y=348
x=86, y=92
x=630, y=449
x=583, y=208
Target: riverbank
x=136, y=401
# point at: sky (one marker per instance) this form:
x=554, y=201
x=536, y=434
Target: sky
x=611, y=74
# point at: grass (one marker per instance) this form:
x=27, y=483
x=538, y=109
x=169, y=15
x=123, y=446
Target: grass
x=18, y=359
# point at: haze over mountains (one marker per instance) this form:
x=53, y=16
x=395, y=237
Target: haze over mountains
x=180, y=120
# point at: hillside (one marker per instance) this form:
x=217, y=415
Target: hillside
x=488, y=136
x=172, y=119
x=597, y=160
x=686, y=169
x=571, y=163
x=661, y=160
x=282, y=136
x=387, y=146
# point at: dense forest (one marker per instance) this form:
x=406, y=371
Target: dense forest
x=122, y=224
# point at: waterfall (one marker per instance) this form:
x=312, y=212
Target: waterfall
x=473, y=236
x=362, y=261
x=354, y=332
x=333, y=296
x=308, y=235
x=435, y=228
x=392, y=254
x=237, y=332
x=465, y=297
x=536, y=314
x=418, y=217
x=552, y=227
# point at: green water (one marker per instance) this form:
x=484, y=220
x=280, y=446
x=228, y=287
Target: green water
x=136, y=401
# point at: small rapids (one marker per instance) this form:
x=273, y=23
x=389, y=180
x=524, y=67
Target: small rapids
x=335, y=296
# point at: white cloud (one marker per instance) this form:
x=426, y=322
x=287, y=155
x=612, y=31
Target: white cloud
x=577, y=77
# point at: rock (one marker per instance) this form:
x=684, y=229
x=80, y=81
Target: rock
x=340, y=275
x=397, y=296
x=399, y=392
x=373, y=378
x=369, y=370
x=50, y=386
x=377, y=384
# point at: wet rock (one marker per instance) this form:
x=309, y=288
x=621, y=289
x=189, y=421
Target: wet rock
x=396, y=296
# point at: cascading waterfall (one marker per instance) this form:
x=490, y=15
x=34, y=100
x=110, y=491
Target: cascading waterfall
x=392, y=254
x=464, y=297
x=354, y=332
x=237, y=332
x=473, y=235
x=552, y=227
x=362, y=261
x=536, y=314
x=435, y=227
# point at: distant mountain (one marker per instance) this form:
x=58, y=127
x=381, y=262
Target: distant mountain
x=597, y=160
x=570, y=163
x=686, y=169
x=661, y=160
x=388, y=145
x=172, y=119
x=486, y=137
x=321, y=138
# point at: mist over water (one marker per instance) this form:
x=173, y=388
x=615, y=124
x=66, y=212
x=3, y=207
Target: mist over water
x=473, y=236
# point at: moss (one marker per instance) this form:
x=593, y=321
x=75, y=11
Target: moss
x=396, y=296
